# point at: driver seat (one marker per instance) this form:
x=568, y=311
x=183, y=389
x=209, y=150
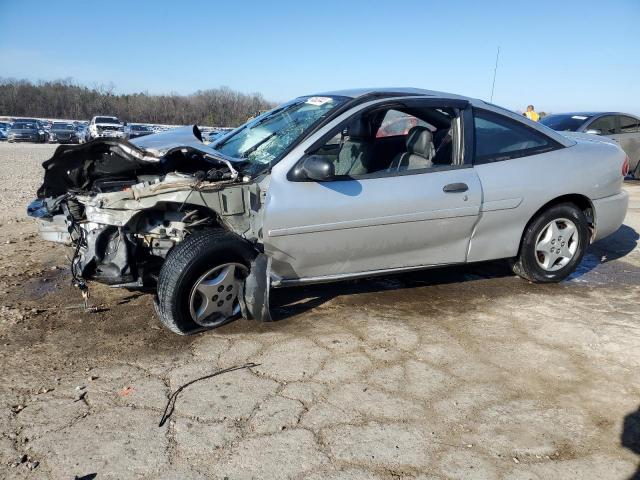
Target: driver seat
x=420, y=151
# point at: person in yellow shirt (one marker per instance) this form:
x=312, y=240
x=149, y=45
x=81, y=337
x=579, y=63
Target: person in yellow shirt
x=531, y=114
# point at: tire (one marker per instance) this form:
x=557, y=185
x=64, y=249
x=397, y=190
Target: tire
x=183, y=271
x=540, y=236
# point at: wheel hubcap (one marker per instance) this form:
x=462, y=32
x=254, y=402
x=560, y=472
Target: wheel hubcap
x=214, y=297
x=557, y=244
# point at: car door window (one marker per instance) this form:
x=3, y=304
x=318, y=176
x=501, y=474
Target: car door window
x=604, y=125
x=498, y=138
x=390, y=141
x=629, y=124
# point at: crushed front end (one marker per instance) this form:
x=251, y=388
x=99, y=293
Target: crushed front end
x=120, y=207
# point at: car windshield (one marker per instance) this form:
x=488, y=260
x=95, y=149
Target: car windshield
x=62, y=126
x=139, y=128
x=263, y=140
x=107, y=120
x=564, y=123
x=23, y=126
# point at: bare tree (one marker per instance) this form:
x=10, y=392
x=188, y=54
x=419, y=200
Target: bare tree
x=222, y=106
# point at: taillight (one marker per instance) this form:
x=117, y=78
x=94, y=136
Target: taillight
x=625, y=167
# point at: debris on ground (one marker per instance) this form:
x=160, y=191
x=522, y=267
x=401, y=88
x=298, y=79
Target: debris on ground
x=171, y=403
x=80, y=395
x=126, y=391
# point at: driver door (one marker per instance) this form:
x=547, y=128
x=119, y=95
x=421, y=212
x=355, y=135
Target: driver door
x=386, y=220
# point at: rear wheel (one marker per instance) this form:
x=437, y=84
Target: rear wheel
x=553, y=244
x=200, y=282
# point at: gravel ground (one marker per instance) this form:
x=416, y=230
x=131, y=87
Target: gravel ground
x=451, y=373
x=20, y=175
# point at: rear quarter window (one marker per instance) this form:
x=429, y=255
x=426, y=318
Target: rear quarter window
x=498, y=138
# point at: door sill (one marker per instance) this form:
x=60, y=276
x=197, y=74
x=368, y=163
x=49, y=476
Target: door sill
x=278, y=282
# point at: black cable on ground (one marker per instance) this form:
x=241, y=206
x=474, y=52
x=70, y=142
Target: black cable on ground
x=171, y=403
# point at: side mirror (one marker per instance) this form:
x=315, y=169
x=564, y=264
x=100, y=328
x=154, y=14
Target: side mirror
x=315, y=167
x=594, y=131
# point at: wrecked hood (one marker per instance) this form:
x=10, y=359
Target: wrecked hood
x=159, y=144
x=76, y=167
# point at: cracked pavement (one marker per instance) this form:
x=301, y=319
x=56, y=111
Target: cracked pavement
x=464, y=372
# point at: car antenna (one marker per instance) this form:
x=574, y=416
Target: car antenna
x=495, y=71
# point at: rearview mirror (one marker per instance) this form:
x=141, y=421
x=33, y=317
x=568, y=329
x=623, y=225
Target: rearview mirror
x=594, y=131
x=315, y=167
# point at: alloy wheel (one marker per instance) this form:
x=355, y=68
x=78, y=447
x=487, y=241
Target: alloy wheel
x=557, y=244
x=214, y=297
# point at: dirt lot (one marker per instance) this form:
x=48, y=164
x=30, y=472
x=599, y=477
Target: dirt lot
x=451, y=373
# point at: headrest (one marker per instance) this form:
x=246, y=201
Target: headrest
x=420, y=141
x=359, y=128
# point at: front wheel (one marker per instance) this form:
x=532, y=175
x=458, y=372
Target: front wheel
x=201, y=281
x=553, y=244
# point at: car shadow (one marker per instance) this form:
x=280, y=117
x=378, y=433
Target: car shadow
x=287, y=302
x=613, y=247
x=630, y=437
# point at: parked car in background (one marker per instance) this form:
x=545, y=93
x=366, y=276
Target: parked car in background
x=4, y=126
x=25, y=131
x=103, y=126
x=63, y=132
x=82, y=132
x=43, y=135
x=136, y=131
x=308, y=192
x=622, y=127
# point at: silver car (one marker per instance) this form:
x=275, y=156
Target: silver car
x=323, y=188
x=624, y=128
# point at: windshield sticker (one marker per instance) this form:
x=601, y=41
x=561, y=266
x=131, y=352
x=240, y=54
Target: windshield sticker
x=579, y=117
x=317, y=101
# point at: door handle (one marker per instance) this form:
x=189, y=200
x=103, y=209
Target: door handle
x=455, y=188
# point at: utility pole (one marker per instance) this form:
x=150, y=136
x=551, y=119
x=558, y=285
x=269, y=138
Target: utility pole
x=495, y=71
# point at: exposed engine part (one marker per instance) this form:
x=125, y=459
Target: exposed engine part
x=107, y=256
x=130, y=255
x=75, y=208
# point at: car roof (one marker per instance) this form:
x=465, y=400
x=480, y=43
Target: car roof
x=593, y=114
x=381, y=93
x=390, y=91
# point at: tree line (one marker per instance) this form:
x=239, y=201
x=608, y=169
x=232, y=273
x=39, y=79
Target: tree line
x=221, y=107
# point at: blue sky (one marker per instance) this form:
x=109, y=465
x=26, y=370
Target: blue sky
x=558, y=55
